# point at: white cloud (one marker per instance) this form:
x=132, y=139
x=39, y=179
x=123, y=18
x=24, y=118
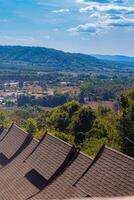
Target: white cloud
x=86, y=2
x=108, y=8
x=61, y=11
x=100, y=27
x=104, y=15
x=121, y=23
x=86, y=28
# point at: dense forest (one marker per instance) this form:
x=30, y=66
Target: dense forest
x=80, y=125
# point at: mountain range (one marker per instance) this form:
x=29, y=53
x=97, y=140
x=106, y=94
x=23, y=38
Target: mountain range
x=116, y=58
x=45, y=59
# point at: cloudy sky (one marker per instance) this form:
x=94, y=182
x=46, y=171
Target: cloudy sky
x=99, y=26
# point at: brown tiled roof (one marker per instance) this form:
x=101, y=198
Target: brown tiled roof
x=12, y=144
x=8, y=173
x=3, y=134
x=43, y=165
x=52, y=169
x=111, y=174
x=1, y=129
x=62, y=187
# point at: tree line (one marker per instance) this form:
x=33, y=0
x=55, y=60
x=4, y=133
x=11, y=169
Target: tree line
x=80, y=125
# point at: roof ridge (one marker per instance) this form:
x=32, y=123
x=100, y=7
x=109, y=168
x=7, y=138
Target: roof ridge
x=87, y=156
x=53, y=136
x=91, y=164
x=71, y=156
x=38, y=144
x=26, y=142
x=118, y=152
x=7, y=132
x=13, y=124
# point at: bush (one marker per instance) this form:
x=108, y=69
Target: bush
x=31, y=126
x=59, y=119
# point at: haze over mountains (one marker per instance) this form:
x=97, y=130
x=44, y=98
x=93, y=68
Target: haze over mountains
x=116, y=58
x=44, y=59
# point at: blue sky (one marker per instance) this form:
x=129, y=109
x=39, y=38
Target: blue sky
x=87, y=26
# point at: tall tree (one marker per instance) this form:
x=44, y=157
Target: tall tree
x=127, y=122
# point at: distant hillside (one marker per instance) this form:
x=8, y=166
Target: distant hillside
x=44, y=59
x=117, y=58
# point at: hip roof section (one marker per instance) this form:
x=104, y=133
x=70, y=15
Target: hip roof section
x=3, y=133
x=50, y=158
x=62, y=187
x=12, y=144
x=111, y=174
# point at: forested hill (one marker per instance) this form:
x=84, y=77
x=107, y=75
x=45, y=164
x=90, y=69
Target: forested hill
x=117, y=58
x=39, y=58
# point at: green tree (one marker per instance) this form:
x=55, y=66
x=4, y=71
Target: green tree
x=71, y=107
x=31, y=126
x=59, y=119
x=81, y=122
x=86, y=90
x=103, y=129
x=92, y=145
x=127, y=122
x=2, y=119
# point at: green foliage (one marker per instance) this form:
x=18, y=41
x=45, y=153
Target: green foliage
x=102, y=110
x=71, y=107
x=59, y=119
x=66, y=137
x=2, y=119
x=48, y=101
x=77, y=124
x=97, y=89
x=124, y=101
x=100, y=129
x=92, y=145
x=103, y=129
x=81, y=122
x=127, y=122
x=31, y=126
x=80, y=125
x=71, y=118
x=86, y=88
